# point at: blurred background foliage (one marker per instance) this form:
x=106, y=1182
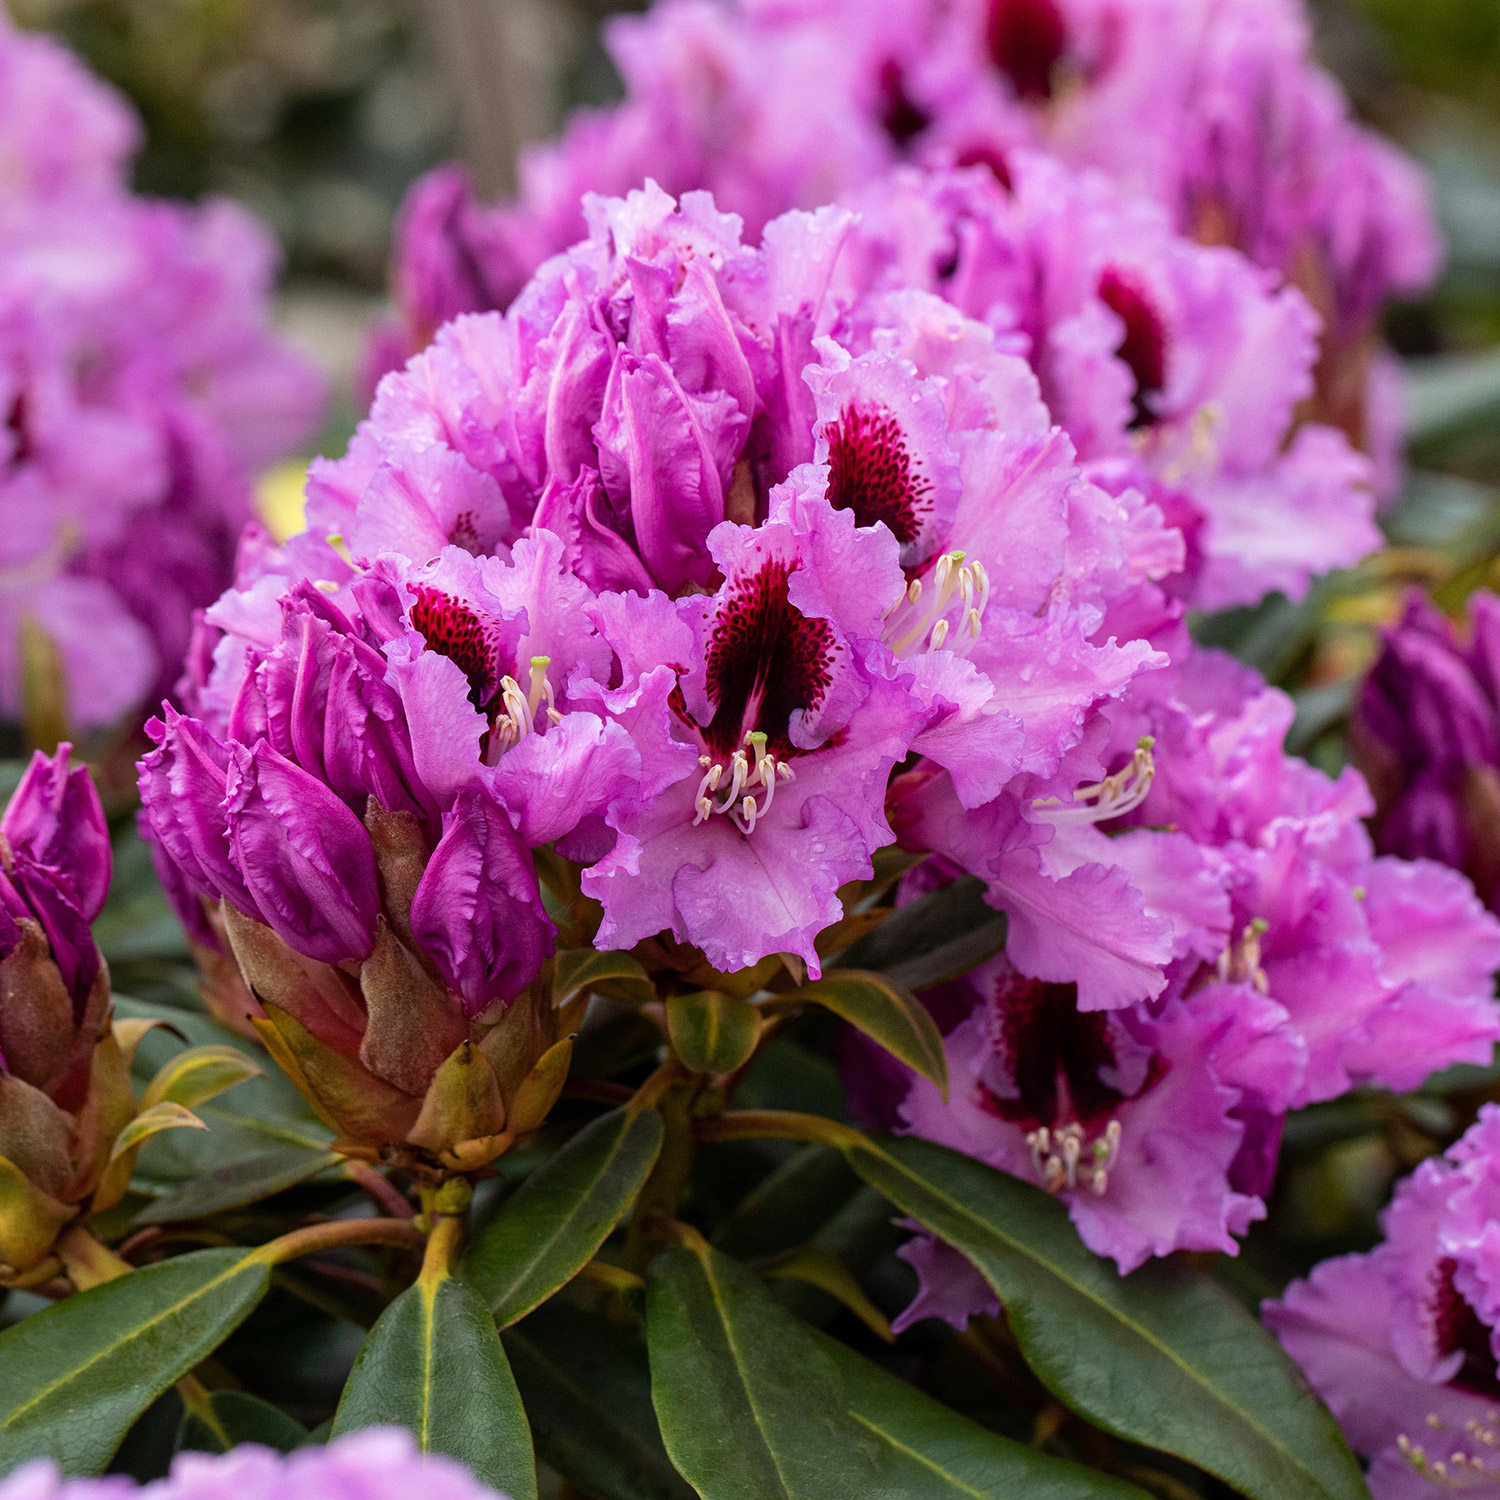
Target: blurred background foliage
x=319, y=113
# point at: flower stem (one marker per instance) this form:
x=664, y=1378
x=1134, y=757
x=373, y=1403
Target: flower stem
x=339, y=1234
x=380, y=1188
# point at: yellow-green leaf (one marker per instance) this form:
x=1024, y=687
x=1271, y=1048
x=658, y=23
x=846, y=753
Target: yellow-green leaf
x=713, y=1032
x=196, y=1076
x=163, y=1116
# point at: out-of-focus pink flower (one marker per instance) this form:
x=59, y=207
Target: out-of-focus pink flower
x=377, y=1464
x=141, y=388
x=1402, y=1343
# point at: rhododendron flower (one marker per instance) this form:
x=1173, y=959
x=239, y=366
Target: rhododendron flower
x=1402, y=1343
x=1264, y=907
x=825, y=533
x=1173, y=367
x=1426, y=733
x=1212, y=110
x=366, y=806
x=1128, y=1115
x=141, y=388
x=377, y=1464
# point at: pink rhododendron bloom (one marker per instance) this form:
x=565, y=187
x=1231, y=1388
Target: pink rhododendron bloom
x=826, y=532
x=141, y=385
x=1260, y=932
x=379, y=1464
x=1175, y=368
x=1211, y=109
x=1401, y=1343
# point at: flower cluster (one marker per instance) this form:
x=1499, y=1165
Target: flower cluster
x=1212, y=110
x=1177, y=369
x=140, y=388
x=1402, y=1343
x=713, y=568
x=1231, y=951
x=379, y=1464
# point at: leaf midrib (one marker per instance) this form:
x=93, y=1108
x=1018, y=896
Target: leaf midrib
x=892, y=1441
x=1092, y=1297
x=78, y=1371
x=722, y=1309
x=529, y=1267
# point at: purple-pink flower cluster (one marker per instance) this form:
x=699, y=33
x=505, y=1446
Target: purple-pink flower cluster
x=380, y=1464
x=1211, y=109
x=140, y=390
x=1403, y=1342
x=715, y=567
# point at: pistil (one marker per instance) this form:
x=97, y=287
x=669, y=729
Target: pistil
x=519, y=711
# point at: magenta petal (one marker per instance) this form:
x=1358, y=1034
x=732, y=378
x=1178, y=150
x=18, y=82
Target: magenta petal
x=304, y=857
x=478, y=910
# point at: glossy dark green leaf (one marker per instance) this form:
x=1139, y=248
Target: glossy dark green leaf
x=543, y=1236
x=1164, y=1357
x=239, y=1417
x=921, y=926
x=74, y=1377
x=579, y=969
x=750, y=1407
x=887, y=1013
x=930, y=1452
x=712, y=1032
x=587, y=1389
x=433, y=1364
x=789, y=1205
x=238, y=1183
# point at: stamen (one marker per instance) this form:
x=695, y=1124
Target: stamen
x=517, y=716
x=1111, y=798
x=1240, y=962
x=924, y=619
x=742, y=801
x=1065, y=1159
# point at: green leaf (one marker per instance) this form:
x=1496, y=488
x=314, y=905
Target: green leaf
x=1164, y=1357
x=789, y=1205
x=261, y=1115
x=240, y=1417
x=137, y=921
x=887, y=1013
x=578, y=969
x=200, y=1074
x=751, y=1408
x=587, y=1389
x=152, y=1122
x=712, y=1032
x=930, y=1452
x=74, y=1377
x=562, y=1213
x=238, y=1183
x=433, y=1364
x=1451, y=392
x=922, y=927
